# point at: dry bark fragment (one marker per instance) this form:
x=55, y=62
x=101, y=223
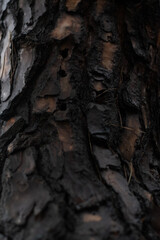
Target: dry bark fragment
x=119, y=184
x=67, y=25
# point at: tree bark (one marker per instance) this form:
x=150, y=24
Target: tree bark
x=79, y=110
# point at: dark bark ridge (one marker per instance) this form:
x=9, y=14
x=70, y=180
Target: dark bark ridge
x=79, y=110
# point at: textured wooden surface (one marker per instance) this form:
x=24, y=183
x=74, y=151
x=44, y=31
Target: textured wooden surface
x=79, y=120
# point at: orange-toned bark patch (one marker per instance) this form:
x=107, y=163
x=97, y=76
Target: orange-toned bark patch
x=65, y=26
x=108, y=53
x=72, y=4
x=47, y=104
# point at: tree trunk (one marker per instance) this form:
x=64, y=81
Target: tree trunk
x=79, y=136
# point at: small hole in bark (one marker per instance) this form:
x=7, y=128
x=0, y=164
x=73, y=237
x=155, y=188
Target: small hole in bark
x=62, y=73
x=84, y=52
x=64, y=53
x=62, y=106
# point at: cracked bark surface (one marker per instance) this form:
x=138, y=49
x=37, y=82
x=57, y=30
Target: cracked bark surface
x=79, y=120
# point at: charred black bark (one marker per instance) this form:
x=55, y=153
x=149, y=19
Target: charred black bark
x=79, y=110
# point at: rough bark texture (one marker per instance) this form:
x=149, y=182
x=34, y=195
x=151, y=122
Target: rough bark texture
x=79, y=135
